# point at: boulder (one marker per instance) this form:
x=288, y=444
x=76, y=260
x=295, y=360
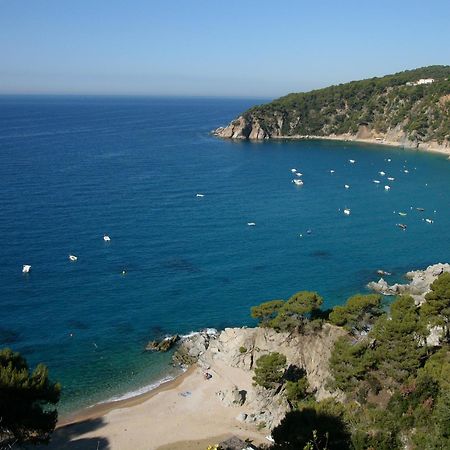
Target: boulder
x=193, y=346
x=232, y=397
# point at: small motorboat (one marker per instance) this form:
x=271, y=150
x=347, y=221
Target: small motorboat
x=402, y=213
x=389, y=160
x=429, y=220
x=73, y=257
x=391, y=178
x=351, y=161
x=376, y=181
x=251, y=224
x=382, y=173
x=347, y=211
x=298, y=174
x=26, y=268
x=406, y=171
x=200, y=195
x=387, y=188
x=331, y=171
x=402, y=226
x=298, y=182
x=106, y=238
x=420, y=209
x=346, y=186
x=293, y=170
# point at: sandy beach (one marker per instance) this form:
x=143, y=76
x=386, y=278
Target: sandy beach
x=183, y=414
x=432, y=147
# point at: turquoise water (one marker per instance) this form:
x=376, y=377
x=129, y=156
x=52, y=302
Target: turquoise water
x=73, y=169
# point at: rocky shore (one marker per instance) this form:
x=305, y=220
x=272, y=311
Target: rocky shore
x=417, y=288
x=244, y=129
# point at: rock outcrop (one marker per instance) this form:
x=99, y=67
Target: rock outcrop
x=241, y=128
x=418, y=287
x=163, y=345
x=241, y=347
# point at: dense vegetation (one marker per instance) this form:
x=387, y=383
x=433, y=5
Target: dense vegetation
x=27, y=400
x=396, y=384
x=384, y=103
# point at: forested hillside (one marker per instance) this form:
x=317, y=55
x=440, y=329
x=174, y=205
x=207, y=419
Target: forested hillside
x=415, y=110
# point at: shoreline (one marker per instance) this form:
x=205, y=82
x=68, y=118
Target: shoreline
x=423, y=147
x=182, y=413
x=100, y=409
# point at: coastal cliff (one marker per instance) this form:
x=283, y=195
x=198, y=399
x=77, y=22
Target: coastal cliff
x=409, y=109
x=240, y=348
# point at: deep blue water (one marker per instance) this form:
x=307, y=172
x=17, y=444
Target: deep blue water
x=72, y=169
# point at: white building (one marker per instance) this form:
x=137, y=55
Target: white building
x=421, y=81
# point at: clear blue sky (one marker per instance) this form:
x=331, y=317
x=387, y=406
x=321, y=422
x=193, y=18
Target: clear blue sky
x=211, y=47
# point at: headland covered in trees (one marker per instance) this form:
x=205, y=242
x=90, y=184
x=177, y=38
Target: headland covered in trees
x=408, y=109
x=367, y=374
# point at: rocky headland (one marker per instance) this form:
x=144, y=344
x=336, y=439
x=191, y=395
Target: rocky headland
x=392, y=110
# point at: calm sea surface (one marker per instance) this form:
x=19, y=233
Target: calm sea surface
x=73, y=169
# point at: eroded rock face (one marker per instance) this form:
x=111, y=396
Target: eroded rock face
x=237, y=129
x=308, y=351
x=418, y=287
x=241, y=347
x=241, y=128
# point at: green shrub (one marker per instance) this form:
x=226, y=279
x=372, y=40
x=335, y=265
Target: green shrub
x=269, y=370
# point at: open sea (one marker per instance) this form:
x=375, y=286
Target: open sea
x=75, y=168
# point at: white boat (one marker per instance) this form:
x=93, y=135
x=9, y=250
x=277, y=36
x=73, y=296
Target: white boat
x=376, y=181
x=347, y=211
x=387, y=188
x=299, y=174
x=200, y=195
x=73, y=257
x=351, y=161
x=331, y=171
x=251, y=224
x=382, y=173
x=346, y=186
x=106, y=238
x=298, y=182
x=391, y=178
x=293, y=170
x=26, y=268
x=429, y=220
x=402, y=213
x=406, y=171
x=389, y=160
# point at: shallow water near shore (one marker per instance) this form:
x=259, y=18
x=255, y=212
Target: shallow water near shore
x=75, y=168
